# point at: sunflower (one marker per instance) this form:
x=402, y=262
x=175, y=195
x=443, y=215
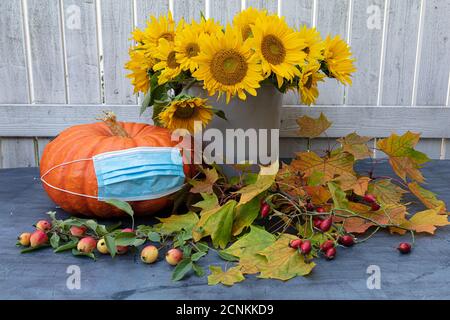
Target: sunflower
x=337, y=57
x=314, y=43
x=187, y=46
x=307, y=86
x=208, y=26
x=279, y=47
x=246, y=19
x=166, y=55
x=162, y=28
x=227, y=65
x=183, y=113
x=139, y=65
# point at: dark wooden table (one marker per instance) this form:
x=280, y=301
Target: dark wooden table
x=424, y=274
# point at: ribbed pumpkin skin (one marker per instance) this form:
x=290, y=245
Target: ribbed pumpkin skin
x=84, y=142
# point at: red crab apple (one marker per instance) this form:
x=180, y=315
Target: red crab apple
x=174, y=256
x=38, y=238
x=296, y=243
x=43, y=225
x=149, y=254
x=78, y=231
x=87, y=245
x=328, y=244
x=128, y=230
x=325, y=225
x=347, y=240
x=121, y=250
x=330, y=254
x=265, y=209
x=24, y=239
x=306, y=247
x=404, y=247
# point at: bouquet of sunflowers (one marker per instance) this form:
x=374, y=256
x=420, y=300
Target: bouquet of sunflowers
x=168, y=58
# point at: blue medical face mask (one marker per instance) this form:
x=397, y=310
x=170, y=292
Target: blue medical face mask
x=142, y=173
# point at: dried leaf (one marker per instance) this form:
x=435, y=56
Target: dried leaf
x=319, y=195
x=427, y=221
x=427, y=197
x=206, y=185
x=356, y=145
x=386, y=192
x=357, y=185
x=228, y=278
x=312, y=128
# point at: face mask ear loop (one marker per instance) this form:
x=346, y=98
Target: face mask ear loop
x=62, y=190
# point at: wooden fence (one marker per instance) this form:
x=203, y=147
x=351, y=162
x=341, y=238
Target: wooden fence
x=61, y=63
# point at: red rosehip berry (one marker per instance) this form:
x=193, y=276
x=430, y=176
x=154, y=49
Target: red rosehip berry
x=347, y=240
x=370, y=198
x=404, y=247
x=375, y=206
x=317, y=221
x=306, y=247
x=296, y=243
x=309, y=206
x=325, y=225
x=265, y=210
x=327, y=245
x=320, y=210
x=330, y=254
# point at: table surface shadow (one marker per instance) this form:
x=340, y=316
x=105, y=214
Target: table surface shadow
x=423, y=274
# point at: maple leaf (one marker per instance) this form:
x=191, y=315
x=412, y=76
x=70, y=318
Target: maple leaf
x=427, y=221
x=319, y=194
x=339, y=197
x=209, y=202
x=264, y=181
x=356, y=145
x=228, y=278
x=290, y=181
x=311, y=127
x=404, y=159
x=340, y=163
x=247, y=247
x=283, y=262
x=386, y=192
x=427, y=197
x=205, y=186
x=349, y=182
x=245, y=215
x=176, y=223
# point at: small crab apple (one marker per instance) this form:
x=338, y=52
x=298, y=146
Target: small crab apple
x=24, y=239
x=330, y=253
x=306, y=247
x=121, y=250
x=129, y=230
x=346, y=240
x=325, y=225
x=375, y=206
x=38, y=238
x=87, y=245
x=101, y=246
x=369, y=198
x=43, y=225
x=404, y=247
x=296, y=243
x=174, y=256
x=149, y=254
x=328, y=244
x=78, y=231
x=265, y=209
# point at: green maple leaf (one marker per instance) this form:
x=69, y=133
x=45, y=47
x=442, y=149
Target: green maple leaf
x=339, y=197
x=176, y=223
x=427, y=197
x=245, y=215
x=228, y=278
x=386, y=192
x=283, y=262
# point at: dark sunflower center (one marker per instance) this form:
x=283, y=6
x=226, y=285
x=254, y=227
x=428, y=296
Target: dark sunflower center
x=309, y=82
x=192, y=49
x=246, y=32
x=273, y=49
x=229, y=67
x=306, y=50
x=184, y=112
x=169, y=36
x=171, y=61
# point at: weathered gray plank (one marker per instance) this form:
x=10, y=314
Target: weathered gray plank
x=332, y=18
x=401, y=43
x=432, y=147
x=270, y=5
x=81, y=51
x=41, y=144
x=147, y=8
x=224, y=11
x=297, y=13
x=17, y=152
x=290, y=146
x=366, y=47
x=188, y=9
x=434, y=68
x=46, y=51
x=13, y=72
x=117, y=24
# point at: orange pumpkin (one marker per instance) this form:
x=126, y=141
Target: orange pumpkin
x=86, y=141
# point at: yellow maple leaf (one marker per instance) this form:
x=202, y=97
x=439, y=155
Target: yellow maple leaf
x=386, y=192
x=350, y=182
x=319, y=194
x=427, y=221
x=427, y=197
x=206, y=185
x=228, y=278
x=356, y=145
x=312, y=128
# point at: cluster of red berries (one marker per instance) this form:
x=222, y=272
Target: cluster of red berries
x=372, y=201
x=328, y=247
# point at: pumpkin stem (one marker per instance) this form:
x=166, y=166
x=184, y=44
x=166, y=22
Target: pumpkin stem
x=110, y=120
